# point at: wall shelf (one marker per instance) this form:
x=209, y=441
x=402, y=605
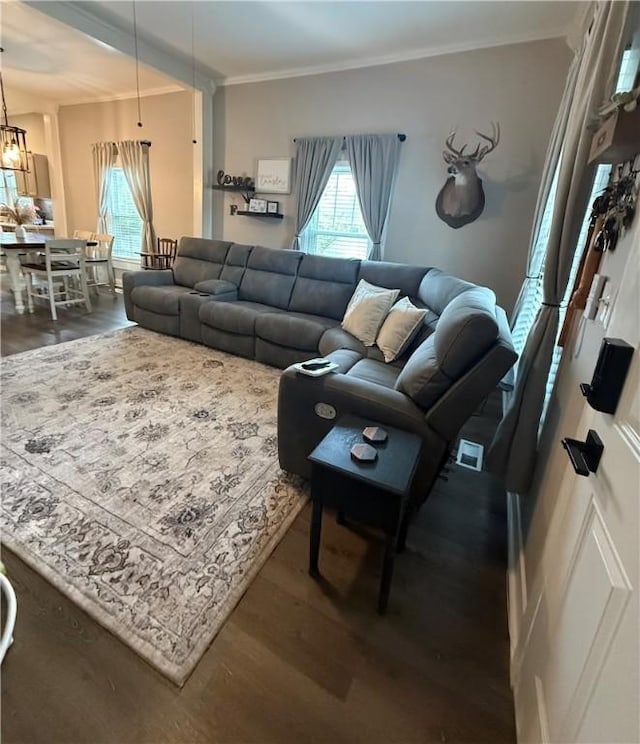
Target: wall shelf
x=245, y=189
x=272, y=215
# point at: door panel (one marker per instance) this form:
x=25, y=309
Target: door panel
x=576, y=670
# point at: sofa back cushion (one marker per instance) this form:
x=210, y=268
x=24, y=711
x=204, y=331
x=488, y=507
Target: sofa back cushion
x=236, y=263
x=393, y=276
x=466, y=330
x=199, y=259
x=438, y=288
x=270, y=276
x=324, y=286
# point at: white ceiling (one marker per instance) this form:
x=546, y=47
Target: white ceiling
x=243, y=40
x=246, y=40
x=48, y=60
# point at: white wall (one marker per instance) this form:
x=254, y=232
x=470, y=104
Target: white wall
x=167, y=124
x=519, y=85
x=33, y=124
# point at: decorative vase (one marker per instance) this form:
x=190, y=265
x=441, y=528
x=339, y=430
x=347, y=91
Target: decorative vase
x=20, y=231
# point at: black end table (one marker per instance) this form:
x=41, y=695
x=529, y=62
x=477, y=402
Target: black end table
x=374, y=493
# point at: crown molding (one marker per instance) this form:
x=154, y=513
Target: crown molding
x=390, y=59
x=158, y=91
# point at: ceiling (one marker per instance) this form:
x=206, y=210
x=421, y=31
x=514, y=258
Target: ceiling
x=245, y=40
x=49, y=60
x=242, y=40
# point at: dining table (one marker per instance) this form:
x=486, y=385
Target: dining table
x=12, y=247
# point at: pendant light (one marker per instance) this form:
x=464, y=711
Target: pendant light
x=135, y=41
x=193, y=73
x=14, y=144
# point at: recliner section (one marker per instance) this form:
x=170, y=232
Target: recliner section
x=281, y=307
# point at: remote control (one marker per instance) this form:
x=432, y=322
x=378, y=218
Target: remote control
x=311, y=366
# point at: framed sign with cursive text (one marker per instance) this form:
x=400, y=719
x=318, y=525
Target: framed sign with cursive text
x=273, y=176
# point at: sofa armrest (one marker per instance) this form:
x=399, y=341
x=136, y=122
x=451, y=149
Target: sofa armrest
x=370, y=400
x=151, y=278
x=219, y=289
x=308, y=407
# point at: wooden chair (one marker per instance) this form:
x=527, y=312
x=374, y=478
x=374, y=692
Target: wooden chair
x=62, y=259
x=82, y=234
x=99, y=256
x=164, y=256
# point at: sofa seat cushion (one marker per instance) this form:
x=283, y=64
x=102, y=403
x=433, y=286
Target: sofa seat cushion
x=164, y=300
x=294, y=330
x=234, y=317
x=376, y=372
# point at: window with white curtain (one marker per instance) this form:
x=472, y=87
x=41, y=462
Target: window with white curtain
x=8, y=188
x=336, y=227
x=125, y=224
x=532, y=300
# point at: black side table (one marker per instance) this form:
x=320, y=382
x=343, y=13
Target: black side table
x=374, y=493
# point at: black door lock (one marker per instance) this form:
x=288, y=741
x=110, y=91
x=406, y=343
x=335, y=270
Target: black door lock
x=584, y=456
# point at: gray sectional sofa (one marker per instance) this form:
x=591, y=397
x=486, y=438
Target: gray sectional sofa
x=281, y=307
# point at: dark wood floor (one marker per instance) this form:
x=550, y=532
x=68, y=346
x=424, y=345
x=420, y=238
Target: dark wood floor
x=297, y=661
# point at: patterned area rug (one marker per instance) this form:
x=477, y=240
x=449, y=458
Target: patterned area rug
x=140, y=477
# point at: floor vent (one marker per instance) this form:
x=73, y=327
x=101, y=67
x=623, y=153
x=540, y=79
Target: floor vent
x=470, y=455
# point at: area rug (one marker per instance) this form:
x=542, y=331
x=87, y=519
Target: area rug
x=139, y=475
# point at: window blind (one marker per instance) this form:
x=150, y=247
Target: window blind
x=336, y=228
x=125, y=224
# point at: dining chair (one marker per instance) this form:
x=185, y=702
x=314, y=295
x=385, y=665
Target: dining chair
x=82, y=234
x=163, y=257
x=63, y=259
x=10, y=608
x=99, y=256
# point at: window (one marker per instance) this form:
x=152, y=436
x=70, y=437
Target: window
x=125, y=224
x=532, y=300
x=8, y=188
x=336, y=227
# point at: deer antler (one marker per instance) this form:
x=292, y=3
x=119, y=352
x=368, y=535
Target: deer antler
x=493, y=141
x=449, y=144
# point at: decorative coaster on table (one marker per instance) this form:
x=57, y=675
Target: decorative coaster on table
x=374, y=434
x=363, y=453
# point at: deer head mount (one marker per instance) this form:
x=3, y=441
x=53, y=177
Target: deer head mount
x=461, y=199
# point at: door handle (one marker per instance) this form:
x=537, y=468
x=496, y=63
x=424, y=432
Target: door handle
x=585, y=456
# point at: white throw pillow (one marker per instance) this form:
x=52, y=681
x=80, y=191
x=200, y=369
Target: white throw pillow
x=399, y=328
x=366, y=311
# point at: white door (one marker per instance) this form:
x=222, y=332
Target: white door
x=576, y=668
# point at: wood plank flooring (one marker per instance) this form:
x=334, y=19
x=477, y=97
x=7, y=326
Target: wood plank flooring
x=298, y=661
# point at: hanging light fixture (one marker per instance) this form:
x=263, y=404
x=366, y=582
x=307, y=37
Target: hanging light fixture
x=14, y=142
x=135, y=39
x=193, y=74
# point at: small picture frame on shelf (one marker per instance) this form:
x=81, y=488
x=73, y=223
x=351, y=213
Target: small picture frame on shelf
x=273, y=207
x=258, y=206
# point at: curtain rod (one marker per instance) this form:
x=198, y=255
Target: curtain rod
x=401, y=137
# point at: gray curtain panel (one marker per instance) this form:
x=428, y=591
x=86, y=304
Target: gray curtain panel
x=548, y=173
x=513, y=452
x=104, y=158
x=315, y=158
x=374, y=160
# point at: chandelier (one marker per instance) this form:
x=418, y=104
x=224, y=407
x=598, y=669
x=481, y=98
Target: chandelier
x=13, y=143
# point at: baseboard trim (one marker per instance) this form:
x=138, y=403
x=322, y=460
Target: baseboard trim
x=516, y=573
